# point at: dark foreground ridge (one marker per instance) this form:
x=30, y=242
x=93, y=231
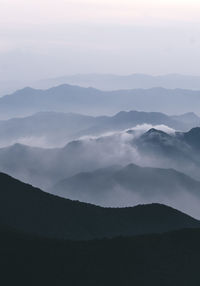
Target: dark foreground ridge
x=170, y=259
x=33, y=211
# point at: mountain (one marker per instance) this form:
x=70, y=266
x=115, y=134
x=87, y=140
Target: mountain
x=108, y=82
x=155, y=148
x=10, y=86
x=67, y=98
x=179, y=150
x=54, y=129
x=124, y=120
x=131, y=185
x=27, y=209
x=132, y=81
x=169, y=259
x=187, y=118
x=192, y=138
x=44, y=129
x=45, y=168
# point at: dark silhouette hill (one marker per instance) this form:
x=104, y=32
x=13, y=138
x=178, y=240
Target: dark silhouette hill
x=30, y=210
x=170, y=259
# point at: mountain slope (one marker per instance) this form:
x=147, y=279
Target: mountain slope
x=30, y=210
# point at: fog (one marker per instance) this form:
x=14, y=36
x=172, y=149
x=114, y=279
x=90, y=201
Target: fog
x=43, y=167
x=97, y=169
x=122, y=37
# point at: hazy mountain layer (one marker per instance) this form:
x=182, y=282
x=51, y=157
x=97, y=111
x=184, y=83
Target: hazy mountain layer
x=179, y=150
x=53, y=129
x=132, y=81
x=131, y=185
x=67, y=98
x=108, y=82
x=154, y=148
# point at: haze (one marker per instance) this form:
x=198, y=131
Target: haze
x=41, y=39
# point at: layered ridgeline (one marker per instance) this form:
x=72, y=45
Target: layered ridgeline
x=67, y=98
x=29, y=210
x=155, y=148
x=169, y=259
x=109, y=82
x=53, y=129
x=62, y=170
x=130, y=185
x=132, y=81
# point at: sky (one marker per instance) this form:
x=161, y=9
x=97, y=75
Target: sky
x=46, y=38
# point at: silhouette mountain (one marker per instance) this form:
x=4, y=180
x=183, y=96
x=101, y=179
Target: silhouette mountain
x=32, y=211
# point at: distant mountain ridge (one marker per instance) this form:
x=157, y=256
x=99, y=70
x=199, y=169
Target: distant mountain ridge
x=131, y=81
x=76, y=99
x=108, y=82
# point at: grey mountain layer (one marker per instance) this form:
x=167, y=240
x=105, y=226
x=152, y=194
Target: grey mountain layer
x=67, y=98
x=155, y=148
x=54, y=129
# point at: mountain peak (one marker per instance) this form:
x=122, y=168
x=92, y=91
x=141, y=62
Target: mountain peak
x=154, y=131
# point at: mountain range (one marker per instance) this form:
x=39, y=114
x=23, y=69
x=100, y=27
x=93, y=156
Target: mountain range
x=107, y=82
x=54, y=129
x=154, y=148
x=131, y=185
x=168, y=173
x=67, y=98
x=132, y=81
x=92, y=199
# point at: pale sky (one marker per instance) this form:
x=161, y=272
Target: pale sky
x=47, y=38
